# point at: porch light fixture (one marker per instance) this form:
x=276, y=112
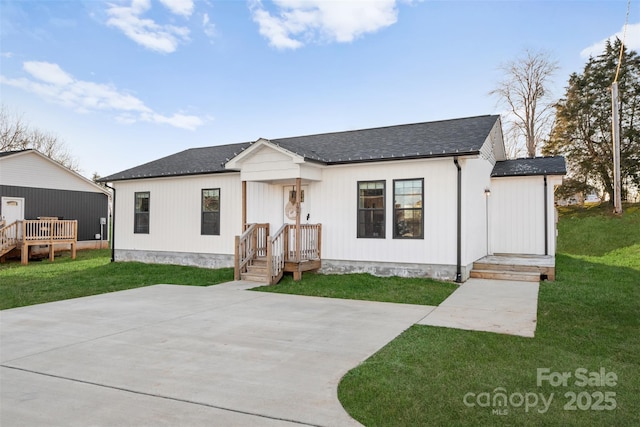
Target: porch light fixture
x=487, y=192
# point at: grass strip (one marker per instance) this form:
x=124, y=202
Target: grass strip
x=92, y=273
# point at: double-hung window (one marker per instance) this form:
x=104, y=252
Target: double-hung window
x=141, y=213
x=210, y=219
x=408, y=221
x=371, y=213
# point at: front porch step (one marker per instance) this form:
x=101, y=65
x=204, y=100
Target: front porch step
x=479, y=265
x=524, y=276
x=257, y=269
x=532, y=268
x=256, y=272
x=259, y=278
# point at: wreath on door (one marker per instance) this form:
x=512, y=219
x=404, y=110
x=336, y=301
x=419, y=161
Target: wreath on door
x=290, y=210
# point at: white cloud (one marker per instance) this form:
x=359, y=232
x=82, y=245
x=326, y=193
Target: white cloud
x=631, y=41
x=47, y=72
x=179, y=7
x=178, y=120
x=146, y=32
x=208, y=27
x=52, y=83
x=297, y=22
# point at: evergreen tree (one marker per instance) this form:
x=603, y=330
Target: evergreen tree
x=582, y=128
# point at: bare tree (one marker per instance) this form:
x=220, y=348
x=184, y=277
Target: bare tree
x=524, y=91
x=16, y=135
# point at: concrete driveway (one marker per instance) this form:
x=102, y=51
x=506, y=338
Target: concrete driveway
x=180, y=355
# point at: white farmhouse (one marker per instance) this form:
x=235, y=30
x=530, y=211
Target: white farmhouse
x=423, y=199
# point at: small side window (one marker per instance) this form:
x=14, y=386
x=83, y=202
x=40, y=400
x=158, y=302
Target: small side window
x=141, y=213
x=210, y=219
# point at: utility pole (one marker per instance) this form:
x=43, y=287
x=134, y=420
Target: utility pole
x=615, y=133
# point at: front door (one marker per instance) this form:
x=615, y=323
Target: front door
x=12, y=209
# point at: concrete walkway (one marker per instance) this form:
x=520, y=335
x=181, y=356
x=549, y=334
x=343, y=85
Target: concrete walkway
x=501, y=306
x=180, y=355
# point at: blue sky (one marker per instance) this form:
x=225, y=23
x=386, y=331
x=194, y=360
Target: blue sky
x=126, y=82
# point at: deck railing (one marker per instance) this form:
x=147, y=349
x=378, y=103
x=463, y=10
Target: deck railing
x=45, y=231
x=9, y=237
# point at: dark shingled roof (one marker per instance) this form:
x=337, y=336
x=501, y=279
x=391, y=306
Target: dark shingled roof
x=531, y=166
x=419, y=140
x=10, y=153
x=430, y=139
x=195, y=161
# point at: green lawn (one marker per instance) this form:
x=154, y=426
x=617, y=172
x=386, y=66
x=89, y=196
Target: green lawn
x=588, y=318
x=366, y=287
x=91, y=273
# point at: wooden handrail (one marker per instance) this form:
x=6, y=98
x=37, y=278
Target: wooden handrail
x=279, y=249
x=276, y=255
x=244, y=251
x=8, y=237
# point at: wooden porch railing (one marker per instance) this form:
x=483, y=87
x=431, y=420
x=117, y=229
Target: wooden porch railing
x=310, y=242
x=279, y=252
x=248, y=246
x=276, y=255
x=44, y=231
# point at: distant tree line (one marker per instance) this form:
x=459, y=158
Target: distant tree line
x=578, y=125
x=17, y=135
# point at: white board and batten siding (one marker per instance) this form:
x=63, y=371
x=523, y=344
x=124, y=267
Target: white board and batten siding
x=34, y=170
x=333, y=202
x=175, y=209
x=475, y=180
x=518, y=217
x=335, y=205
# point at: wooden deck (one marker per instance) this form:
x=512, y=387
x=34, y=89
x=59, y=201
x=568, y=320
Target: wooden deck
x=22, y=235
x=515, y=267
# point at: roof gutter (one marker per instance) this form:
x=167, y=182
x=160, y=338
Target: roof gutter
x=459, y=224
x=407, y=157
x=113, y=225
x=546, y=217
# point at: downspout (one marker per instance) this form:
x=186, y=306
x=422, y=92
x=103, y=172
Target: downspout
x=546, y=218
x=113, y=225
x=459, y=224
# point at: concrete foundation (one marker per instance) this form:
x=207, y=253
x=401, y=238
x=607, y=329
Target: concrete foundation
x=176, y=258
x=329, y=266
x=387, y=269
